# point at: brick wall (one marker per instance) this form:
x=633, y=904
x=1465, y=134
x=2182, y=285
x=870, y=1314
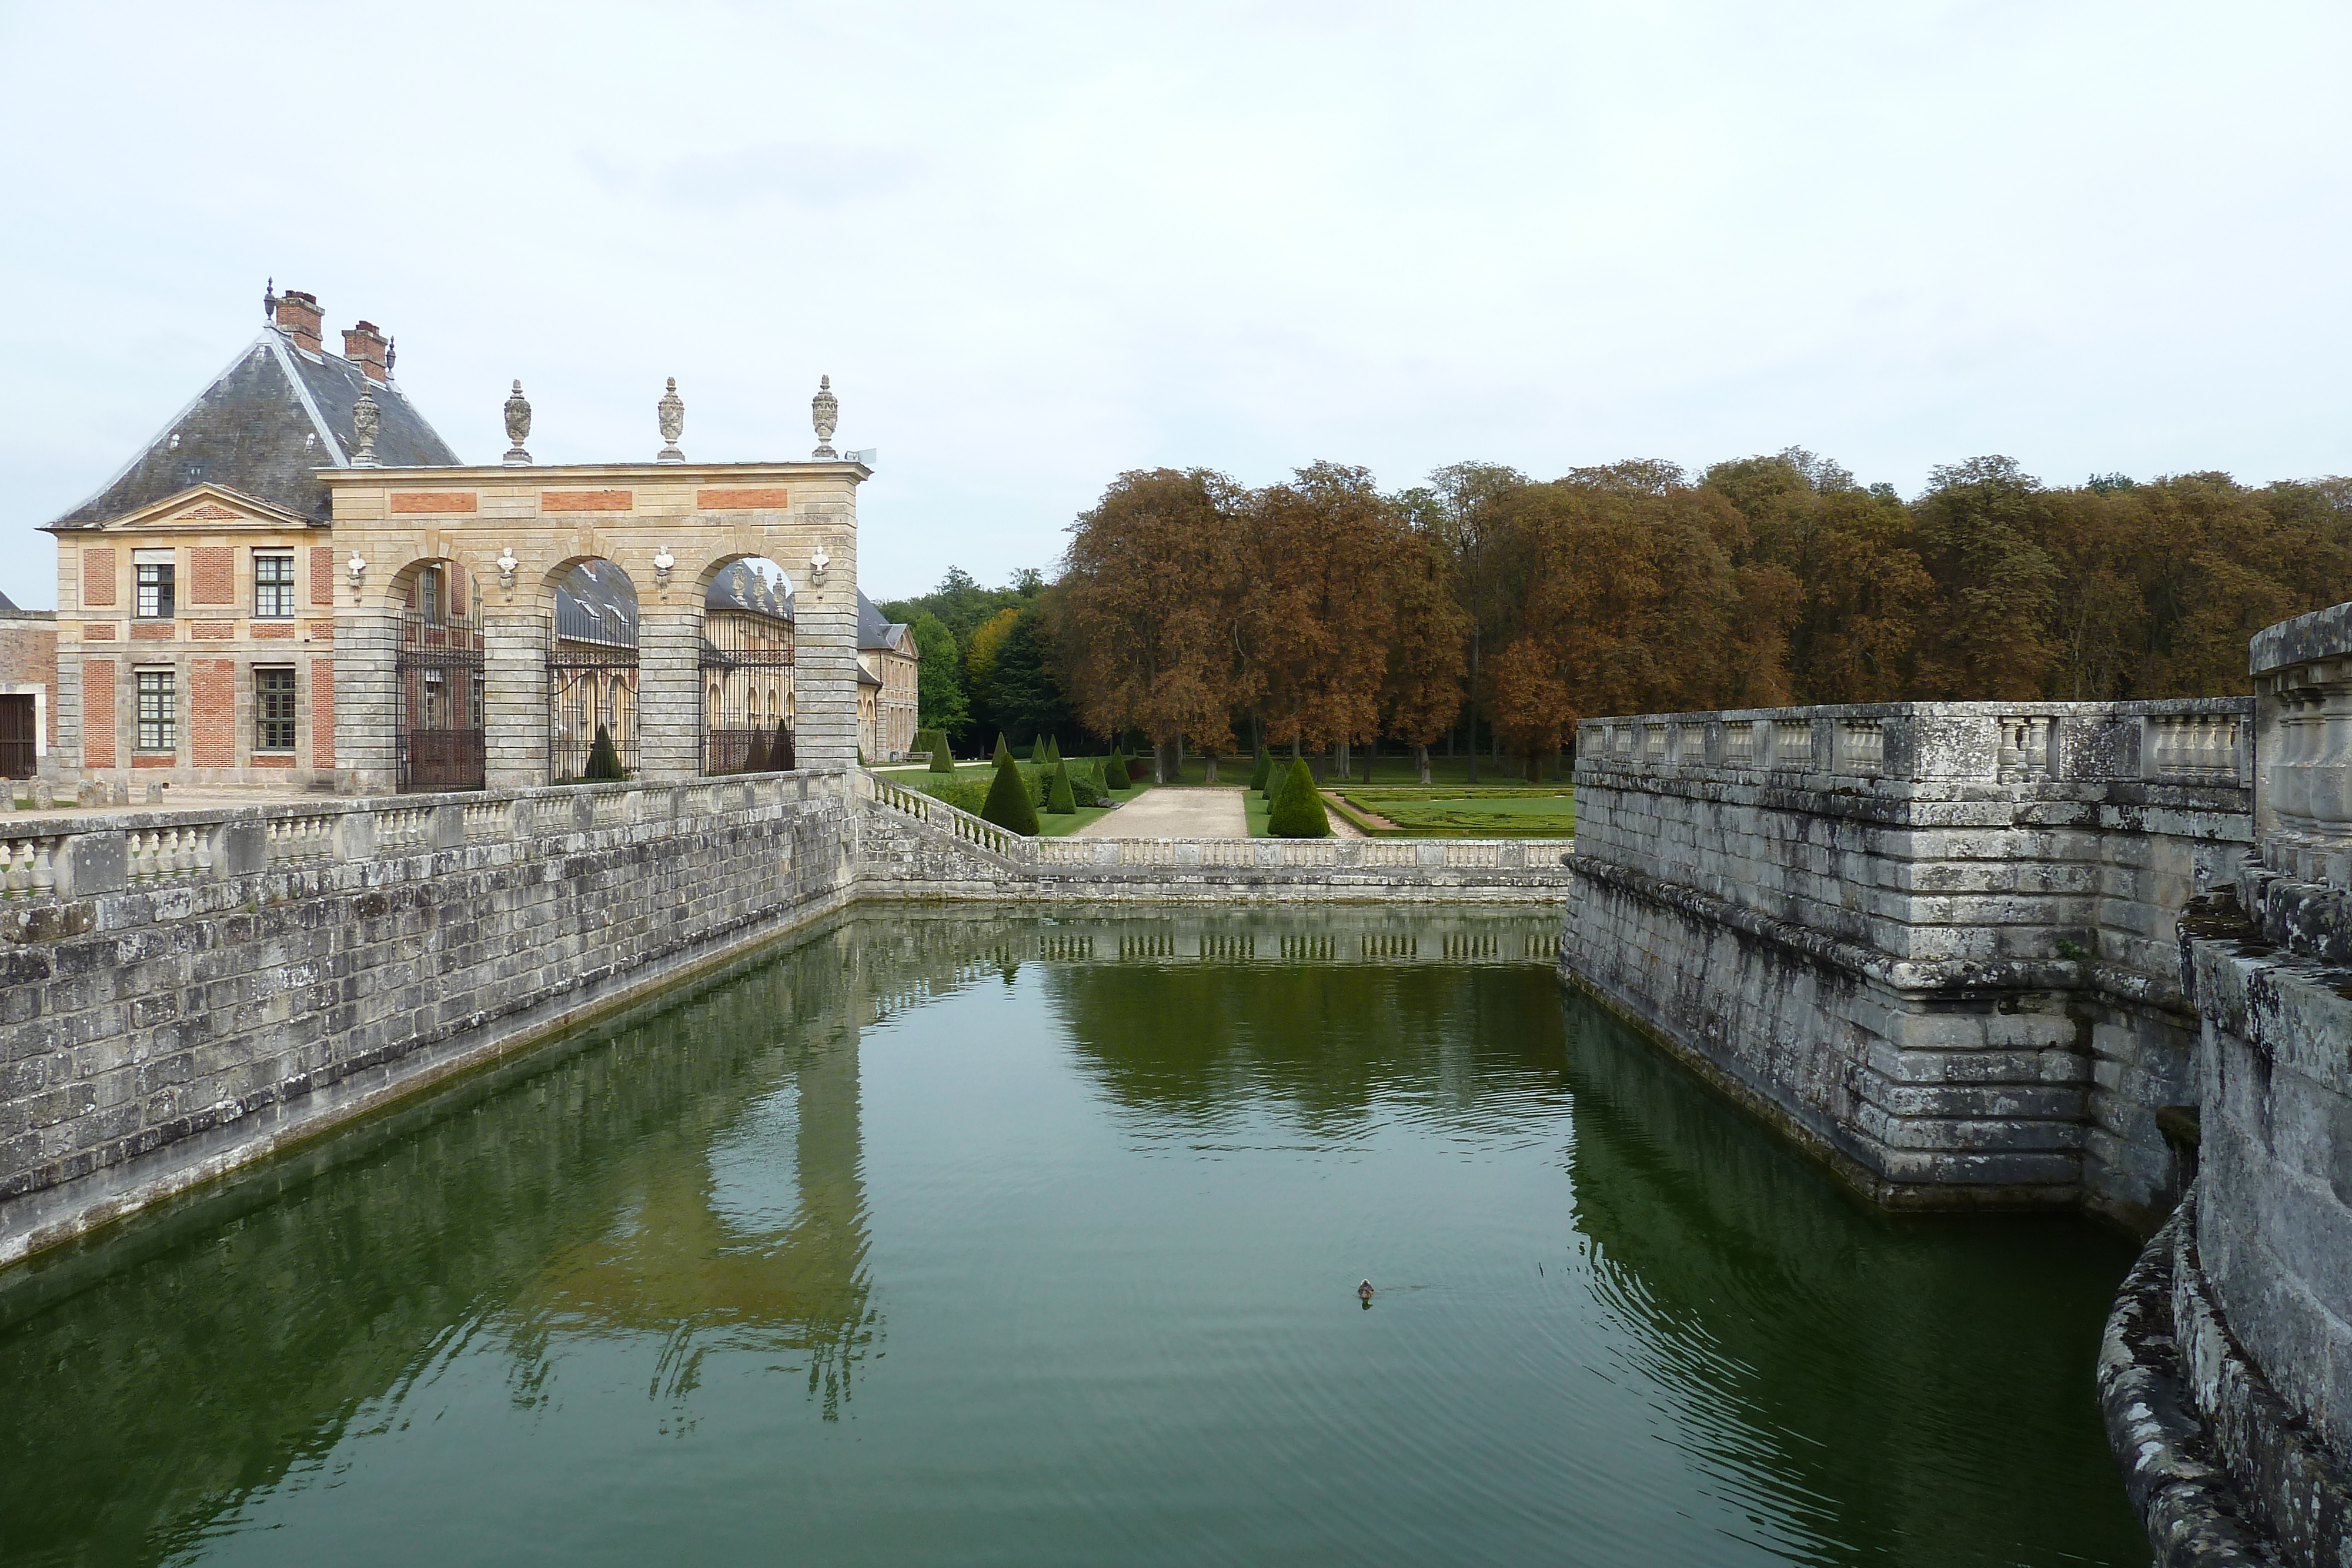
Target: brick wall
x=29, y=657
x=212, y=575
x=97, y=578
x=212, y=713
x=322, y=713
x=323, y=574
x=100, y=685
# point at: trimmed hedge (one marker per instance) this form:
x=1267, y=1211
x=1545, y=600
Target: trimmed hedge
x=604, y=757
x=1265, y=766
x=1298, y=810
x=1115, y=773
x=1058, y=798
x=1009, y=804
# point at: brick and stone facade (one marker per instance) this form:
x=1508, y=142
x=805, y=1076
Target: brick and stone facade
x=28, y=690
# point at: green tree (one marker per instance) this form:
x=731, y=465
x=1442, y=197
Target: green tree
x=1297, y=812
x=938, y=675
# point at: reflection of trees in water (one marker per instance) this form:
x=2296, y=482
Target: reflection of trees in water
x=1204, y=1042
x=162, y=1376
x=1864, y=1387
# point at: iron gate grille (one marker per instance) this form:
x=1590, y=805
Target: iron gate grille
x=592, y=673
x=437, y=669
x=747, y=693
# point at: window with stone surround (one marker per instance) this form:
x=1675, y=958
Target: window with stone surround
x=273, y=708
x=152, y=570
x=158, y=711
x=273, y=585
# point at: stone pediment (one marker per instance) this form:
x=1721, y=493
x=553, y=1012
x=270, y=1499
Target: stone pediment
x=213, y=509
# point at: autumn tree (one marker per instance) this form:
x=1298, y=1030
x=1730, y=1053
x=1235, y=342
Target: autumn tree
x=1428, y=652
x=1145, y=617
x=1458, y=507
x=1985, y=632
x=1321, y=551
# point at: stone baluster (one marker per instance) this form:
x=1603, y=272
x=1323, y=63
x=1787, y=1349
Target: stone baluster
x=20, y=866
x=45, y=867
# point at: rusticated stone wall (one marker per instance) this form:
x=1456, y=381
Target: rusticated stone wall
x=2227, y=1371
x=186, y=991
x=1931, y=940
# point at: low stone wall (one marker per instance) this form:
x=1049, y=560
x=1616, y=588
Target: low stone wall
x=2254, y=1363
x=185, y=992
x=912, y=846
x=1930, y=940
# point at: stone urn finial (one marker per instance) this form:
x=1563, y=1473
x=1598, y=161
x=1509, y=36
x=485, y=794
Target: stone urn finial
x=671, y=411
x=366, y=417
x=825, y=412
x=518, y=425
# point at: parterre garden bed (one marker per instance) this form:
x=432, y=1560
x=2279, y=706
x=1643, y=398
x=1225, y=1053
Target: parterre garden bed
x=1439, y=811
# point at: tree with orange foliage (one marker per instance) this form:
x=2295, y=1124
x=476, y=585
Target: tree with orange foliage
x=1323, y=550
x=1144, y=616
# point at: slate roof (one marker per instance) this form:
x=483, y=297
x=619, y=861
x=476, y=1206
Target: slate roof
x=269, y=419
x=873, y=632
x=7, y=605
x=595, y=603
x=741, y=587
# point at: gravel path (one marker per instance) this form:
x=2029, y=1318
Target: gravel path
x=1166, y=813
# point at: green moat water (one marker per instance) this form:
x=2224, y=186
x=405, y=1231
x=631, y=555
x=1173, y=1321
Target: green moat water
x=982, y=1238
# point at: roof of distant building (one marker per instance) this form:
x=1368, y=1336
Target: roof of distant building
x=874, y=632
x=275, y=414
x=742, y=586
x=7, y=604
x=596, y=603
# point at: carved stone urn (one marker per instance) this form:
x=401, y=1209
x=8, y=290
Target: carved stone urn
x=671, y=411
x=366, y=419
x=518, y=425
x=825, y=412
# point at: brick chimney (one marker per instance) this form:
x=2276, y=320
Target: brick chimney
x=363, y=345
x=299, y=318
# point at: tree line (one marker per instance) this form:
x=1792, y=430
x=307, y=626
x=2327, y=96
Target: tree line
x=1486, y=607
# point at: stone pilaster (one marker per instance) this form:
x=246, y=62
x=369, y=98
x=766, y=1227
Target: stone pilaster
x=367, y=701
x=824, y=660
x=515, y=642
x=669, y=691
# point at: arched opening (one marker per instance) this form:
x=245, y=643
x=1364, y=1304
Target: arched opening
x=747, y=669
x=437, y=678
x=591, y=675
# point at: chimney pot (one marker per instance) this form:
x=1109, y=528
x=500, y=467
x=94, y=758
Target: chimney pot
x=299, y=318
x=364, y=346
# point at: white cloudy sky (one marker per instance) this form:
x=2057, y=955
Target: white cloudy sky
x=1035, y=245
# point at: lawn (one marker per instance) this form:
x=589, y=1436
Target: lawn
x=1049, y=825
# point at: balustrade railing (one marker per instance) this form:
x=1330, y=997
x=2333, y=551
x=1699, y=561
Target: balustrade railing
x=78, y=856
x=2202, y=743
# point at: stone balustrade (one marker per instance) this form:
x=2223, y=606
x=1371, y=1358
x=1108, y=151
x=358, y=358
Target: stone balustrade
x=2184, y=742
x=920, y=846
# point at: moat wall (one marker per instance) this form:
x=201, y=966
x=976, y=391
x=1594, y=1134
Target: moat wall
x=185, y=992
x=1932, y=941
x=2227, y=1371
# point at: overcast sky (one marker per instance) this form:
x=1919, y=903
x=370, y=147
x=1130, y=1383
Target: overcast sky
x=1037, y=244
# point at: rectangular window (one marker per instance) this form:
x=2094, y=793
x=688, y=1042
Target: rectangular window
x=273, y=710
x=158, y=712
x=273, y=587
x=155, y=597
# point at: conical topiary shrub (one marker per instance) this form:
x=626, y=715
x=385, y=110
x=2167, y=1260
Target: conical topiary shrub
x=1037, y=750
x=1115, y=773
x=603, y=759
x=1298, y=810
x=1265, y=766
x=783, y=756
x=755, y=754
x=1059, y=798
x=1003, y=752
x=1008, y=804
x=942, y=756
x=1053, y=751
